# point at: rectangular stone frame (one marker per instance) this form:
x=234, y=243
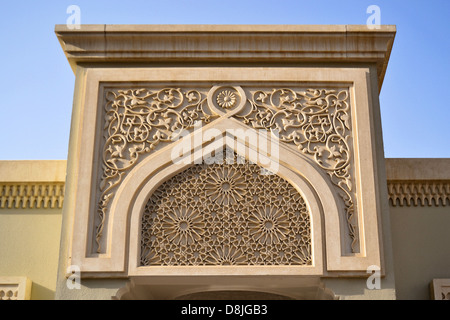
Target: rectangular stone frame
x=84, y=135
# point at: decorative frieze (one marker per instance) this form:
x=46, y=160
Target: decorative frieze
x=419, y=193
x=440, y=289
x=47, y=195
x=15, y=288
x=226, y=214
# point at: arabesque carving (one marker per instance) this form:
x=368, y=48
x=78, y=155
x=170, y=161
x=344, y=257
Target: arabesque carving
x=226, y=214
x=316, y=121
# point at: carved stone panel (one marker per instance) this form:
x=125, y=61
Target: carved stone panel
x=321, y=122
x=141, y=120
x=138, y=121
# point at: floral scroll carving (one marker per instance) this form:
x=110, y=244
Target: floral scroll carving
x=226, y=214
x=139, y=121
x=317, y=121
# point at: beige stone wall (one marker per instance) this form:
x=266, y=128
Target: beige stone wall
x=31, y=194
x=419, y=191
x=30, y=247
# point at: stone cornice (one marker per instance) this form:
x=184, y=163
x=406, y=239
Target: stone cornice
x=418, y=169
x=228, y=43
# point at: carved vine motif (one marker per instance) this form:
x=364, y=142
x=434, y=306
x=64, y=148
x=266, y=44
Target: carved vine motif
x=136, y=121
x=9, y=293
x=317, y=121
x=225, y=214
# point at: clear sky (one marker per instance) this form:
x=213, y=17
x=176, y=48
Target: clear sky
x=37, y=82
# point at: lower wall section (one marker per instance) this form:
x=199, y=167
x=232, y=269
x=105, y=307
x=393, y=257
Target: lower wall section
x=30, y=248
x=421, y=242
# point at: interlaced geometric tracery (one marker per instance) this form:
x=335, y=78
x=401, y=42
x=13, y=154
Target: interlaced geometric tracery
x=226, y=214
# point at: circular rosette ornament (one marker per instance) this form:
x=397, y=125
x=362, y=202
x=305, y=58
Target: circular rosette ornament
x=226, y=99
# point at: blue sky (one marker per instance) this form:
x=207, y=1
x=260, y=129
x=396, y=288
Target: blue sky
x=37, y=82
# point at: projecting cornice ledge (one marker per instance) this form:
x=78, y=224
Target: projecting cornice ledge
x=228, y=43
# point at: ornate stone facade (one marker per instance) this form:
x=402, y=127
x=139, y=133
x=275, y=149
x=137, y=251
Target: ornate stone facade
x=135, y=213
x=15, y=288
